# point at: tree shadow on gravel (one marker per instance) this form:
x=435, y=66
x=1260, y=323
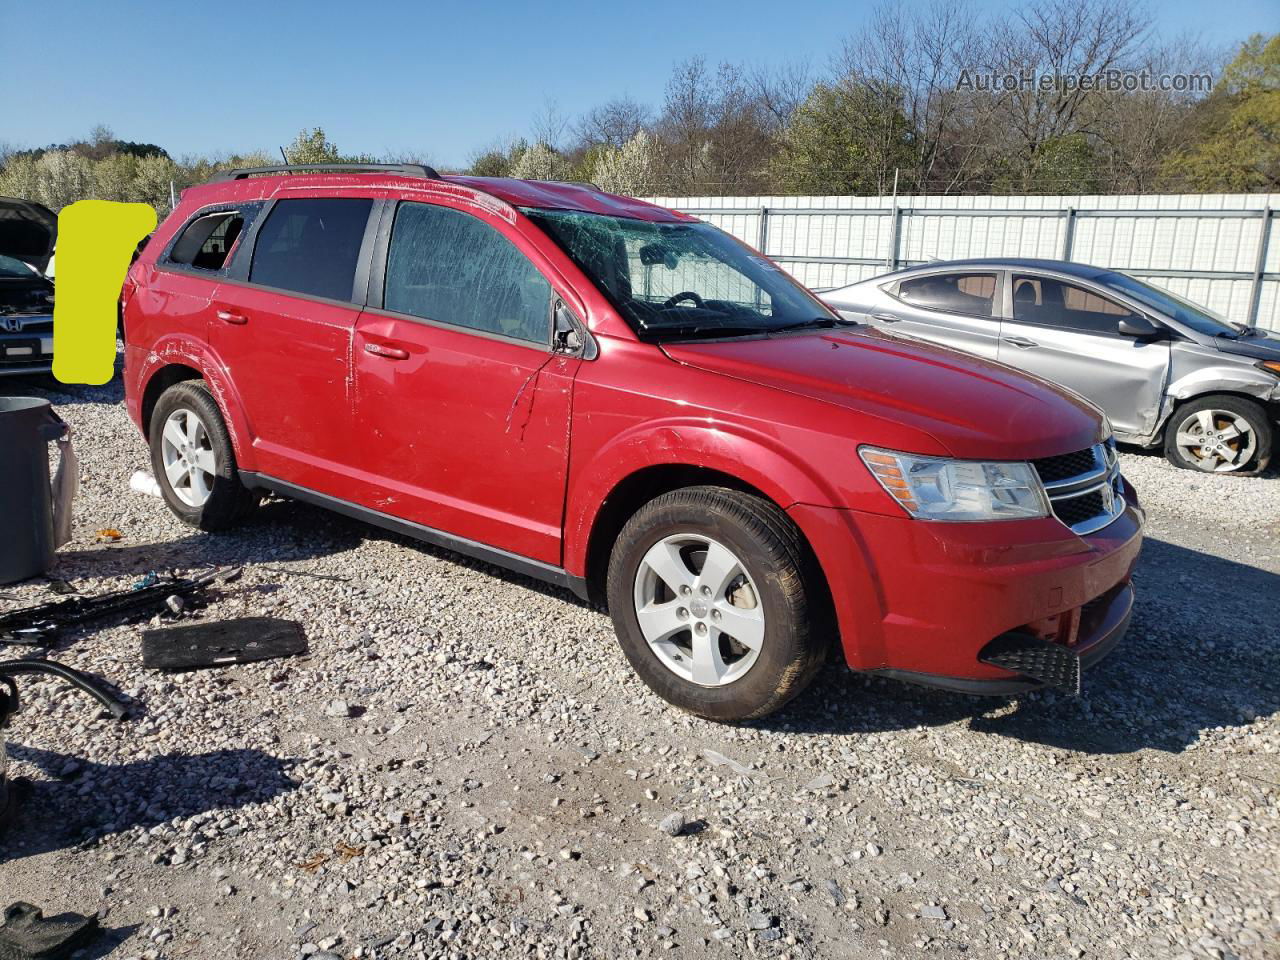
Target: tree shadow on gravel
x=1200, y=653
x=97, y=800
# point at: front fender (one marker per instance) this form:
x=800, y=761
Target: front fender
x=1225, y=378
x=751, y=457
x=190, y=352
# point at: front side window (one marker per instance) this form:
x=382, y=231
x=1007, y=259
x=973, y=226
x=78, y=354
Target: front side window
x=311, y=246
x=972, y=293
x=680, y=279
x=449, y=267
x=1053, y=303
x=1198, y=318
x=206, y=242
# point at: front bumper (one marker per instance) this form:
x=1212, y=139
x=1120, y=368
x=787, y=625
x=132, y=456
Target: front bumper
x=920, y=601
x=27, y=350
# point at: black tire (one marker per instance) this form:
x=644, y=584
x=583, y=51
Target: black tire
x=230, y=502
x=771, y=550
x=1253, y=413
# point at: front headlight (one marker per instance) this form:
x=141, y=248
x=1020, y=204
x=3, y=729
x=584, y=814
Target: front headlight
x=936, y=488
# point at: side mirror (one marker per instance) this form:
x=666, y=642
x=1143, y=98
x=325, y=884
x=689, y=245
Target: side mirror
x=567, y=339
x=1138, y=327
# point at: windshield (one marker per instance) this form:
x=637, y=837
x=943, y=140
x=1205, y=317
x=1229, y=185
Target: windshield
x=1199, y=319
x=681, y=279
x=11, y=269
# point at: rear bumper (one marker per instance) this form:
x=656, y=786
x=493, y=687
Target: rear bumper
x=920, y=601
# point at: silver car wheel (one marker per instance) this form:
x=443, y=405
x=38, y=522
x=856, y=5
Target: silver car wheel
x=699, y=610
x=1216, y=441
x=187, y=454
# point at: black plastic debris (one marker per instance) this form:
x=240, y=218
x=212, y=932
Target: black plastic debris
x=1050, y=663
x=221, y=643
x=27, y=934
x=41, y=624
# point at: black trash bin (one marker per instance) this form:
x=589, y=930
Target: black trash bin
x=27, y=425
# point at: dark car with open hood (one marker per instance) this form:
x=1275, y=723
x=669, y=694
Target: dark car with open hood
x=28, y=231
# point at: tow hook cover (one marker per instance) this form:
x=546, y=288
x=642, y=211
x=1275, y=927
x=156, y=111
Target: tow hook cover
x=1051, y=663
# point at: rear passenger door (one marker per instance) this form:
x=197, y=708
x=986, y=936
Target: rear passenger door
x=461, y=404
x=955, y=309
x=1069, y=333
x=282, y=326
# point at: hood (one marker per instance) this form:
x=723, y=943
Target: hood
x=1264, y=346
x=28, y=231
x=973, y=408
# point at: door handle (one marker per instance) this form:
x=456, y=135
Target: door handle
x=230, y=316
x=886, y=317
x=1022, y=342
x=382, y=350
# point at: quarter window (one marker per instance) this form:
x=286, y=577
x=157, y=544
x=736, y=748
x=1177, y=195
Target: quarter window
x=972, y=293
x=207, y=241
x=450, y=267
x=312, y=246
x=1050, y=302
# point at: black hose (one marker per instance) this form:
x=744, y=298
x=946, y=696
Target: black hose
x=81, y=681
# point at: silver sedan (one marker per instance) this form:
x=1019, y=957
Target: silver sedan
x=1164, y=370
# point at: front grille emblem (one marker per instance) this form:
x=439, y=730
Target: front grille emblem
x=11, y=324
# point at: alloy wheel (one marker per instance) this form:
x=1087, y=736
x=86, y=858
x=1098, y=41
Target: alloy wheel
x=1216, y=441
x=187, y=454
x=699, y=610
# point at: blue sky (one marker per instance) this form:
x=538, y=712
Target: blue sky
x=203, y=77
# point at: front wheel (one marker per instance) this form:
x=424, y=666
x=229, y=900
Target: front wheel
x=712, y=604
x=1219, y=434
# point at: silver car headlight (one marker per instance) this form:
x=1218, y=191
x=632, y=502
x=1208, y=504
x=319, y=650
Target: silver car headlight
x=939, y=488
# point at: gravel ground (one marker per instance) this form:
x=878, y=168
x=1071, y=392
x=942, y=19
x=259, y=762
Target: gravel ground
x=465, y=765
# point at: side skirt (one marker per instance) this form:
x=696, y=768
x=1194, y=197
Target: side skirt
x=525, y=566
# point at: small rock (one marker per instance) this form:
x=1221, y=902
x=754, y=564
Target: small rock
x=821, y=782
x=338, y=708
x=672, y=824
x=932, y=912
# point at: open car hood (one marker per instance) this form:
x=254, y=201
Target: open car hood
x=28, y=231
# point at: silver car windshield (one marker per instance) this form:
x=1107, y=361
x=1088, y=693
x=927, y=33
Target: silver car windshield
x=1198, y=318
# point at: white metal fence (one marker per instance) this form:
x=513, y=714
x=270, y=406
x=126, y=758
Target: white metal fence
x=1217, y=249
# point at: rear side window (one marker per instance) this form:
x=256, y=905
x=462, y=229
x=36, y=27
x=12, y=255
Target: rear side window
x=311, y=246
x=207, y=241
x=1052, y=303
x=452, y=268
x=972, y=293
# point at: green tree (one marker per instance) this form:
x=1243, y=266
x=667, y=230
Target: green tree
x=312, y=146
x=843, y=139
x=1238, y=144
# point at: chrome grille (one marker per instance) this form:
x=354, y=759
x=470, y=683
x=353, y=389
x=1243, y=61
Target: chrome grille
x=1084, y=488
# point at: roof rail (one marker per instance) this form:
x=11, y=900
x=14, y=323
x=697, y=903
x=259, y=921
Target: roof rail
x=405, y=169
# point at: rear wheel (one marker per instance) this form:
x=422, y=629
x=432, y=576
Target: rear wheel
x=710, y=600
x=1219, y=434
x=193, y=460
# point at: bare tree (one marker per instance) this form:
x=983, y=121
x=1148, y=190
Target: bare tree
x=914, y=55
x=1062, y=39
x=613, y=124
x=549, y=125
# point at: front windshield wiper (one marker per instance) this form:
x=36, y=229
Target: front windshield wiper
x=813, y=323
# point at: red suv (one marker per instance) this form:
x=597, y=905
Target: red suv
x=617, y=398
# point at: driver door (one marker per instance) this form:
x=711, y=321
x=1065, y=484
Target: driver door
x=461, y=402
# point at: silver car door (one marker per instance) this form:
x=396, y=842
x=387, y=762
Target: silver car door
x=953, y=308
x=1068, y=332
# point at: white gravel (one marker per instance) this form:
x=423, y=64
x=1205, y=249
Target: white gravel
x=465, y=766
